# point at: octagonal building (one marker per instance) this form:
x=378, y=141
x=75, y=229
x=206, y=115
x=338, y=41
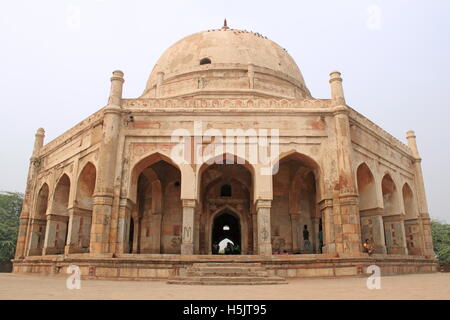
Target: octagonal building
x=225, y=158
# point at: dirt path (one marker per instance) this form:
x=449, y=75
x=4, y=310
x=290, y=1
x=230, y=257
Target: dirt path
x=418, y=286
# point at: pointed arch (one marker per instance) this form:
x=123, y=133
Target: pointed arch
x=155, y=188
x=295, y=218
x=39, y=222
x=86, y=186
x=58, y=219
x=389, y=190
x=145, y=162
x=80, y=233
x=238, y=175
x=409, y=202
x=61, y=196
x=42, y=202
x=366, y=187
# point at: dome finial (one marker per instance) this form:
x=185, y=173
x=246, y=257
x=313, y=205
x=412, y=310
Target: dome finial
x=225, y=26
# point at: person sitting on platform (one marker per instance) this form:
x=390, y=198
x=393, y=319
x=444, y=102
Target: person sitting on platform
x=368, y=247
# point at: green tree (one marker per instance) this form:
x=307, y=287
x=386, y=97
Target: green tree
x=441, y=240
x=10, y=207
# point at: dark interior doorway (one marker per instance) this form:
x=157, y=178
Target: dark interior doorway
x=226, y=227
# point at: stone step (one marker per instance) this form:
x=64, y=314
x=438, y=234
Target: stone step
x=227, y=264
x=218, y=283
x=226, y=274
x=227, y=269
x=210, y=280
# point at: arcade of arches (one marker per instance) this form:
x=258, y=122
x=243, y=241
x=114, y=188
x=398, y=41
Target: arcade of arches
x=226, y=210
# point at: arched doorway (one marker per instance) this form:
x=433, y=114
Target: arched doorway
x=371, y=219
x=226, y=229
x=226, y=186
x=39, y=222
x=80, y=236
x=58, y=219
x=394, y=230
x=295, y=217
x=156, y=220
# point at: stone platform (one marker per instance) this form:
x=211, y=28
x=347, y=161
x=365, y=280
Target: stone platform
x=168, y=266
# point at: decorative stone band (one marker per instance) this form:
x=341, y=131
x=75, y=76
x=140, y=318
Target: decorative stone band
x=125, y=202
x=372, y=212
x=224, y=103
x=263, y=203
x=189, y=203
x=348, y=198
x=103, y=199
x=325, y=203
x=56, y=217
x=112, y=109
x=227, y=67
x=396, y=218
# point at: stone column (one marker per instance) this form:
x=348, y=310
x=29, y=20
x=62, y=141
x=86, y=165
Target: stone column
x=326, y=209
x=395, y=235
x=255, y=232
x=37, y=236
x=155, y=231
x=263, y=224
x=347, y=224
x=421, y=197
x=25, y=216
x=315, y=235
x=295, y=223
x=55, y=234
x=124, y=226
x=104, y=194
x=187, y=242
x=372, y=228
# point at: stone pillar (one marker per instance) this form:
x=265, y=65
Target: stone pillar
x=55, y=234
x=25, y=216
x=295, y=223
x=394, y=229
x=421, y=197
x=72, y=231
x=187, y=242
x=124, y=226
x=37, y=236
x=326, y=209
x=137, y=234
x=346, y=217
x=372, y=228
x=255, y=232
x=263, y=224
x=155, y=232
x=104, y=194
x=315, y=235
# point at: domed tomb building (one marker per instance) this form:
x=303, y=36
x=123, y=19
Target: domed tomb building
x=225, y=147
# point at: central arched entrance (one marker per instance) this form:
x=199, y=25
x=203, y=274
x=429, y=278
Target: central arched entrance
x=226, y=229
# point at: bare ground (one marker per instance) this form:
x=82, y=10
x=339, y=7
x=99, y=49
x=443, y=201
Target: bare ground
x=416, y=286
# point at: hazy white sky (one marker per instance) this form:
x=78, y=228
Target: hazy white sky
x=56, y=58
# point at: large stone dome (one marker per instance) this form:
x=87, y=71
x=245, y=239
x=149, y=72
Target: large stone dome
x=248, y=54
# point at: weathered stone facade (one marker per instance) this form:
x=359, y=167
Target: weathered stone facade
x=110, y=188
